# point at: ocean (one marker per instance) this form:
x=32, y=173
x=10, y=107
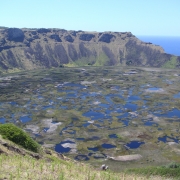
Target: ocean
x=171, y=45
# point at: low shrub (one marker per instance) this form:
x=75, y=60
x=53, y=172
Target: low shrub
x=18, y=136
x=173, y=165
x=172, y=170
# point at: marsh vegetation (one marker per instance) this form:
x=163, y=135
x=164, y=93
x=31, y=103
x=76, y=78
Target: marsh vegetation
x=95, y=114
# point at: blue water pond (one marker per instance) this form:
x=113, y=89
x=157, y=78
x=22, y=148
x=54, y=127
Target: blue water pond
x=104, y=105
x=108, y=146
x=12, y=103
x=150, y=123
x=125, y=115
x=177, y=95
x=113, y=136
x=25, y=119
x=133, y=98
x=45, y=129
x=134, y=144
x=125, y=122
x=60, y=149
x=130, y=106
x=164, y=139
x=154, y=89
x=94, y=115
x=170, y=114
x=86, y=124
x=2, y=120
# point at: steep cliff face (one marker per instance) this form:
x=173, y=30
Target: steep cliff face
x=35, y=48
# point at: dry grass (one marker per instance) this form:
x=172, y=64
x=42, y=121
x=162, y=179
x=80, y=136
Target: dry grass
x=25, y=167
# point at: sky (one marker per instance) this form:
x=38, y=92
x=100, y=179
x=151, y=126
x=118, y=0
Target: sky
x=141, y=17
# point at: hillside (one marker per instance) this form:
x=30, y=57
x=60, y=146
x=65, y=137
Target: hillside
x=44, y=48
x=19, y=163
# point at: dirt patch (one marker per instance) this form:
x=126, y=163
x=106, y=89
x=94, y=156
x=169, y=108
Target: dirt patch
x=144, y=136
x=87, y=82
x=133, y=157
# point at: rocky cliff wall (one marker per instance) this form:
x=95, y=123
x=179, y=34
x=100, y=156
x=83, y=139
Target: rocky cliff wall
x=36, y=48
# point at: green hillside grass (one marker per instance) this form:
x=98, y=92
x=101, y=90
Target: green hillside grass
x=171, y=171
x=26, y=167
x=171, y=64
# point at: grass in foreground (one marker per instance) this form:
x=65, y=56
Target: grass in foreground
x=169, y=171
x=19, y=167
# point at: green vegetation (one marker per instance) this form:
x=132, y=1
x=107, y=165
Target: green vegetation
x=18, y=136
x=85, y=61
x=171, y=64
x=101, y=60
x=118, y=100
x=170, y=171
x=25, y=167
